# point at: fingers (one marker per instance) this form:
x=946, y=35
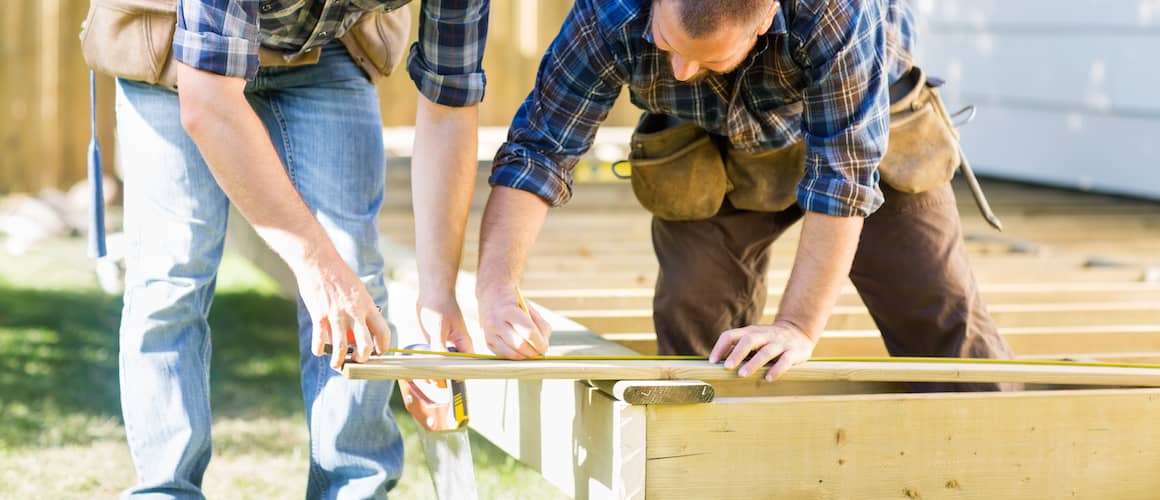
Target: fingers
x=746, y=344
x=724, y=344
x=338, y=323
x=380, y=332
x=511, y=332
x=462, y=342
x=363, y=342
x=763, y=356
x=320, y=336
x=787, y=361
x=543, y=330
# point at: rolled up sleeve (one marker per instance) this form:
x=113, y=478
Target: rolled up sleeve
x=577, y=83
x=846, y=109
x=218, y=36
x=446, y=63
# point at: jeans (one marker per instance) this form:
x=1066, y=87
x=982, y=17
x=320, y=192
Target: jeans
x=324, y=121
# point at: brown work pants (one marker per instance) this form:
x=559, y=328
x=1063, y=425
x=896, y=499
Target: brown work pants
x=910, y=269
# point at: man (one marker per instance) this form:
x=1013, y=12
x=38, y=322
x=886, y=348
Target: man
x=794, y=96
x=298, y=149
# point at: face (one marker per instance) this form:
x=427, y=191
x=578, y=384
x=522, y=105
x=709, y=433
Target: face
x=718, y=52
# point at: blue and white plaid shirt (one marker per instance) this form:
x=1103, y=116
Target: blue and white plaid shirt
x=821, y=73
x=223, y=36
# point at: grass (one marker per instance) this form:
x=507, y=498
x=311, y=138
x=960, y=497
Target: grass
x=60, y=428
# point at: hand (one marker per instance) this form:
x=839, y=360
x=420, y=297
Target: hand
x=765, y=342
x=440, y=319
x=511, y=330
x=340, y=307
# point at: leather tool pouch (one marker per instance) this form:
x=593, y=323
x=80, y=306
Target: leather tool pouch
x=765, y=181
x=924, y=146
x=677, y=170
x=133, y=39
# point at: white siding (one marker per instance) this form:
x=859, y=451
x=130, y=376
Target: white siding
x=1068, y=92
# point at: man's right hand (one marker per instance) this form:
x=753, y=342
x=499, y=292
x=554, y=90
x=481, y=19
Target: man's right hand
x=339, y=305
x=511, y=330
x=441, y=322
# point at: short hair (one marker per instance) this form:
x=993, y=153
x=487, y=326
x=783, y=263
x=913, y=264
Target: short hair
x=701, y=17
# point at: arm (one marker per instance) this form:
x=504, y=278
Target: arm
x=578, y=81
x=239, y=153
x=845, y=115
x=216, y=47
x=511, y=223
x=442, y=179
x=446, y=66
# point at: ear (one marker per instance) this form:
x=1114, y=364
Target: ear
x=767, y=21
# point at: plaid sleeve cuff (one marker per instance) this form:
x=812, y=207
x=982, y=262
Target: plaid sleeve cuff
x=457, y=90
x=838, y=196
x=228, y=56
x=520, y=171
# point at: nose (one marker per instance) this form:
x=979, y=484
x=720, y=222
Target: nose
x=684, y=69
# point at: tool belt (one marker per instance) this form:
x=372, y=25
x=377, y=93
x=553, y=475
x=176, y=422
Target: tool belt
x=133, y=39
x=680, y=172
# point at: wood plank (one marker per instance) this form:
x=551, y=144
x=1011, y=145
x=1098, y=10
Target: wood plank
x=857, y=318
x=1072, y=444
x=993, y=293
x=394, y=367
x=1024, y=341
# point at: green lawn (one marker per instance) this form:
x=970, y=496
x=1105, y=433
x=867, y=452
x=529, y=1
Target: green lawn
x=60, y=427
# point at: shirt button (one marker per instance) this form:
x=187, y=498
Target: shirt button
x=267, y=7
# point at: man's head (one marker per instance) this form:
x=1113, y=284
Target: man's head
x=703, y=36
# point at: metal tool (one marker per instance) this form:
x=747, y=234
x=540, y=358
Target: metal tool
x=977, y=192
x=96, y=178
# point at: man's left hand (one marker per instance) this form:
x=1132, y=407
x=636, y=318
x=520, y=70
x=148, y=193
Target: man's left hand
x=780, y=340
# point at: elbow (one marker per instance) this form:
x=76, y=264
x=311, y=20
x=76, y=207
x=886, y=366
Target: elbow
x=204, y=99
x=194, y=116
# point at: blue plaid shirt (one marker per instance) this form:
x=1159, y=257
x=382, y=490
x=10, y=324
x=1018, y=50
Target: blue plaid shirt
x=820, y=74
x=223, y=36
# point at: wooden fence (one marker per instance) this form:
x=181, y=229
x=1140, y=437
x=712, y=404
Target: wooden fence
x=44, y=104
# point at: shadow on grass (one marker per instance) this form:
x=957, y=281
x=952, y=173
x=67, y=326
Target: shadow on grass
x=58, y=363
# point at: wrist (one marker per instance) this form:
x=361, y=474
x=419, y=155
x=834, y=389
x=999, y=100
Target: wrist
x=797, y=327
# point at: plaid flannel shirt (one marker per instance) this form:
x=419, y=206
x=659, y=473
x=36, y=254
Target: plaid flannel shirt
x=820, y=74
x=223, y=36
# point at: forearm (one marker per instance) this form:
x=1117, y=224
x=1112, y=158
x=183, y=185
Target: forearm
x=824, y=256
x=442, y=178
x=511, y=224
x=237, y=148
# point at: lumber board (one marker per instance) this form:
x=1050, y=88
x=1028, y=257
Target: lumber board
x=1024, y=341
x=993, y=293
x=856, y=317
x=1052, y=444
x=394, y=367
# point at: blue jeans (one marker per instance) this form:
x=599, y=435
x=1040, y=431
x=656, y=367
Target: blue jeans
x=324, y=121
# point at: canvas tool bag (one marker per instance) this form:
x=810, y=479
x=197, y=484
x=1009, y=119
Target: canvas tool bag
x=133, y=39
x=680, y=172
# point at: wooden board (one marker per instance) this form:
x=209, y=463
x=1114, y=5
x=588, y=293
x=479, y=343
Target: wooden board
x=394, y=367
x=1074, y=444
x=1024, y=341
